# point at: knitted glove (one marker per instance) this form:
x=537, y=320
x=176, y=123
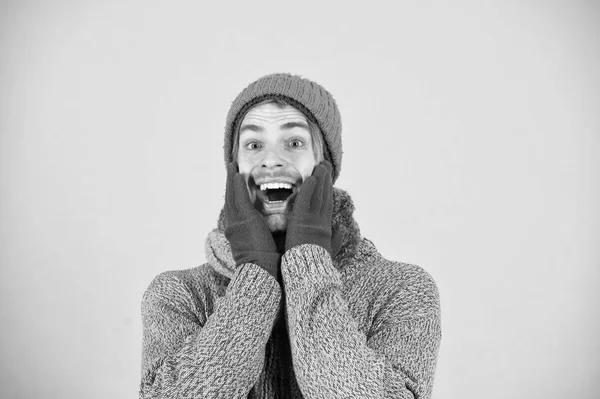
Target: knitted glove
x=310, y=219
x=248, y=234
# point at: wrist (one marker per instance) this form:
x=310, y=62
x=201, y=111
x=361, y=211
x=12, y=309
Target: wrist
x=269, y=261
x=320, y=236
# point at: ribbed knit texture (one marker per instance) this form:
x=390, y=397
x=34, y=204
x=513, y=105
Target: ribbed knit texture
x=357, y=326
x=310, y=98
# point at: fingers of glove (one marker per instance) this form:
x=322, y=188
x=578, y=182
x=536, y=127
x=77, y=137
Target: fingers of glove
x=305, y=193
x=242, y=199
x=327, y=207
x=232, y=169
x=316, y=202
x=329, y=167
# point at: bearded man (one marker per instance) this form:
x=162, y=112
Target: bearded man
x=293, y=302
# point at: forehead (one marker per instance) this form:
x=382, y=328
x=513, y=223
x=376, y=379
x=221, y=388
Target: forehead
x=271, y=113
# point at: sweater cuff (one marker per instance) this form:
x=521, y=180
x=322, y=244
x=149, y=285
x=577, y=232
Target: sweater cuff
x=309, y=264
x=254, y=284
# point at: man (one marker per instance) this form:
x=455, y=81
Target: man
x=292, y=302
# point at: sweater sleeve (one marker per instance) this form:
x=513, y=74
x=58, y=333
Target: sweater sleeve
x=184, y=356
x=332, y=358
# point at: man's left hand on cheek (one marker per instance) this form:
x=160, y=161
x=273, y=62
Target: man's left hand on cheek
x=310, y=219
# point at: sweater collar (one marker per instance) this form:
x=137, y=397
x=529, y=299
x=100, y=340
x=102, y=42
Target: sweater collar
x=218, y=250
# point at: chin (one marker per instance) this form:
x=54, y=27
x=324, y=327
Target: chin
x=276, y=222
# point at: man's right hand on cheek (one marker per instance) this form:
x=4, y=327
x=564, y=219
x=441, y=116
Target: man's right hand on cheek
x=245, y=228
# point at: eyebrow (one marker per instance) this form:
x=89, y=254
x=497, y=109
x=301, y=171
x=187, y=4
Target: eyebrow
x=252, y=128
x=291, y=125
x=285, y=126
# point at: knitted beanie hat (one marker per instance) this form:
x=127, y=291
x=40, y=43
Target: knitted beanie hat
x=308, y=97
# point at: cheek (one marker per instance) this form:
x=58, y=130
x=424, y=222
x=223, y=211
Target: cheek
x=306, y=167
x=245, y=165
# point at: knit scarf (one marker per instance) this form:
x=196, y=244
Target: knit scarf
x=218, y=250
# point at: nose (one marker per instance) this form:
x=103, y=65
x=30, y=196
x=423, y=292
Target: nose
x=273, y=160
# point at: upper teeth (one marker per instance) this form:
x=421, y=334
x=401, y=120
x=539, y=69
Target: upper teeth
x=275, y=185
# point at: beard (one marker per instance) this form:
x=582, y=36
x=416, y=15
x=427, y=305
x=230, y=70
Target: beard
x=276, y=216
x=276, y=222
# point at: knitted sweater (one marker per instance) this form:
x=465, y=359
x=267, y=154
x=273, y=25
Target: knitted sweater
x=356, y=326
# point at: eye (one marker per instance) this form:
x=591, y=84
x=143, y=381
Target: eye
x=296, y=143
x=253, y=145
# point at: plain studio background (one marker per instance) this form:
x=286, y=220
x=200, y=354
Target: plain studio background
x=471, y=138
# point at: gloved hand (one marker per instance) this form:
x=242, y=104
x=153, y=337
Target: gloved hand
x=310, y=219
x=245, y=228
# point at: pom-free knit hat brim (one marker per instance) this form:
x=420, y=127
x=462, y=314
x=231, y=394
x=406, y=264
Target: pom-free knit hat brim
x=316, y=103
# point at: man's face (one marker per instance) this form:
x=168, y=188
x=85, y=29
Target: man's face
x=274, y=147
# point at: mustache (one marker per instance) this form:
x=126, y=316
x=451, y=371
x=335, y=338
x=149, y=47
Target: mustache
x=273, y=176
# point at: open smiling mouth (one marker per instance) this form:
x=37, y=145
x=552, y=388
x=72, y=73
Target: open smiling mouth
x=275, y=193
